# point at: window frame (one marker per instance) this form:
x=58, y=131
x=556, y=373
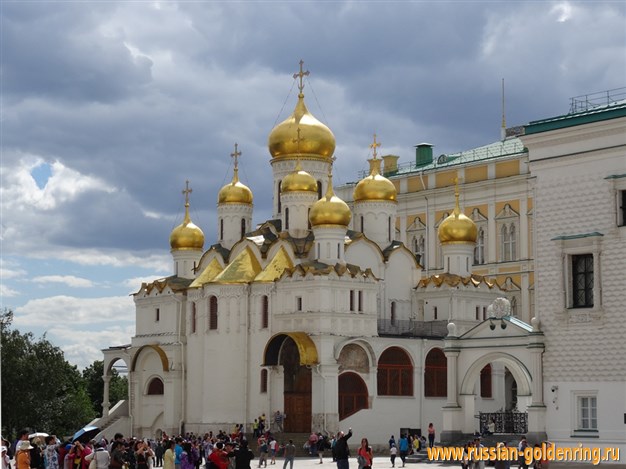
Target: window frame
x=436, y=375
x=386, y=373
x=573, y=246
x=213, y=313
x=579, y=429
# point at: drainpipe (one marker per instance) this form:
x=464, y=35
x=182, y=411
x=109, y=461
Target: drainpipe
x=247, y=359
x=182, y=361
x=427, y=247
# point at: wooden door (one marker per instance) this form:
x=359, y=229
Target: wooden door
x=298, y=410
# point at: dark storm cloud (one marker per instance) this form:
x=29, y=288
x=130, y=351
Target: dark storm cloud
x=146, y=95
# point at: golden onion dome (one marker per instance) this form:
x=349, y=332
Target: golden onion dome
x=299, y=181
x=375, y=186
x=330, y=209
x=187, y=236
x=235, y=192
x=457, y=228
x=301, y=134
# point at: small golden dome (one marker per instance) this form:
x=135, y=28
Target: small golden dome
x=457, y=228
x=235, y=192
x=375, y=186
x=299, y=181
x=187, y=236
x=313, y=139
x=330, y=209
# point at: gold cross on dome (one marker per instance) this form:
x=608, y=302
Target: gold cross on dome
x=236, y=154
x=301, y=74
x=186, y=192
x=374, y=146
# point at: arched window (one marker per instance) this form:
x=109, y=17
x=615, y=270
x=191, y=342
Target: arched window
x=395, y=373
x=265, y=312
x=479, y=250
x=353, y=394
x=194, y=317
x=512, y=242
x=286, y=218
x=319, y=190
x=393, y=313
x=213, y=312
x=485, y=381
x=415, y=246
x=389, y=229
x=362, y=225
x=221, y=229
x=243, y=227
x=280, y=206
x=263, y=387
x=436, y=374
x=155, y=387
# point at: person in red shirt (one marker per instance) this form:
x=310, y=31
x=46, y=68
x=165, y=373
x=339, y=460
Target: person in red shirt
x=219, y=457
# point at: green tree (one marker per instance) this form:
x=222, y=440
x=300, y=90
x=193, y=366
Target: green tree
x=118, y=385
x=40, y=389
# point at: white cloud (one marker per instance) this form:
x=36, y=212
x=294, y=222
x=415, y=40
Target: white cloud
x=69, y=280
x=69, y=311
x=7, y=292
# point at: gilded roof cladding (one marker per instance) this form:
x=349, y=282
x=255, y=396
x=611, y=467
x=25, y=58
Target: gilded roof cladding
x=321, y=269
x=453, y=280
x=173, y=282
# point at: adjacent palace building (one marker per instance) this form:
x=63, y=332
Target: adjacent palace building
x=458, y=289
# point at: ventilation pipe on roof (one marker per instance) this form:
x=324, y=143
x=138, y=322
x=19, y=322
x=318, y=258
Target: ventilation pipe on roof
x=423, y=154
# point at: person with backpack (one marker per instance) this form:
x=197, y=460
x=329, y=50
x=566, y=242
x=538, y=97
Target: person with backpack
x=263, y=450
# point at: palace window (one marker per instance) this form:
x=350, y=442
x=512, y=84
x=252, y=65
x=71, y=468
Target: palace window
x=353, y=395
x=436, y=374
x=395, y=373
x=265, y=312
x=587, y=413
x=213, y=312
x=155, y=387
x=485, y=381
x=582, y=281
x=263, y=387
x=479, y=250
x=508, y=242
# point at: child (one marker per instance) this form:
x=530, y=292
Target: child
x=393, y=452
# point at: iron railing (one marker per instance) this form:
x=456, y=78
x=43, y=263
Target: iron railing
x=585, y=102
x=412, y=328
x=505, y=422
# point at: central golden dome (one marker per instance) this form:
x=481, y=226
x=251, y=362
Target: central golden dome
x=330, y=210
x=298, y=181
x=235, y=192
x=375, y=186
x=313, y=139
x=457, y=228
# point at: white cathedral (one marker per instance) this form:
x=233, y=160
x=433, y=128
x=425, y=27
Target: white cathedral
x=324, y=314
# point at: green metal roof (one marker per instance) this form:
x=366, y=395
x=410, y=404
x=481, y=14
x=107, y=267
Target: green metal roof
x=499, y=149
x=596, y=114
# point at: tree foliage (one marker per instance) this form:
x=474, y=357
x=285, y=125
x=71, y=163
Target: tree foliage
x=40, y=389
x=118, y=385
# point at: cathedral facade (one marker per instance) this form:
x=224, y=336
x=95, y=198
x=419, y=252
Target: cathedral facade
x=321, y=313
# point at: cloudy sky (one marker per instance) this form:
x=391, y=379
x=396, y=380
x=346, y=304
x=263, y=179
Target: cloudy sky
x=108, y=107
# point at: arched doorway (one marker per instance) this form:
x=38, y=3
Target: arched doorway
x=487, y=354
x=353, y=395
x=297, y=388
